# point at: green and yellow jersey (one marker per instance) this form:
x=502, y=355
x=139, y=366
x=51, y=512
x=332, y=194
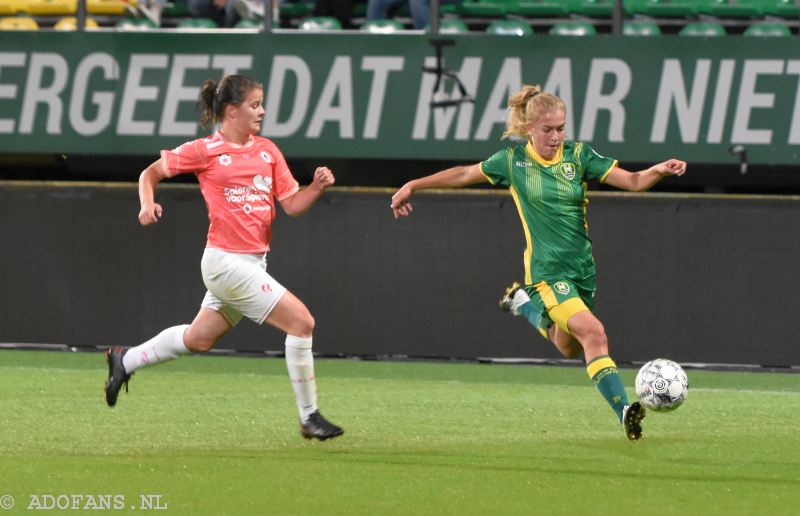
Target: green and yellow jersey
x=551, y=199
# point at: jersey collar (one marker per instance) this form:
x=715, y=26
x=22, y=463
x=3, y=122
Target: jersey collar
x=535, y=155
x=250, y=141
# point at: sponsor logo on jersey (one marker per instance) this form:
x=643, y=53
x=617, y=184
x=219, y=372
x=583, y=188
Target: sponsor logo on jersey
x=266, y=157
x=524, y=164
x=224, y=160
x=569, y=171
x=250, y=209
x=263, y=183
x=562, y=288
x=266, y=288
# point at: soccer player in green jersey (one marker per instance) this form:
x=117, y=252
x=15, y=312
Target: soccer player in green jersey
x=547, y=178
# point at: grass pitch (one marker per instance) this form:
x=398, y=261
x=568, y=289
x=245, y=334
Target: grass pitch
x=220, y=436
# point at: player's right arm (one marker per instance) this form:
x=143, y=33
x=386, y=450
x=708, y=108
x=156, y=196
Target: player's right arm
x=450, y=178
x=148, y=181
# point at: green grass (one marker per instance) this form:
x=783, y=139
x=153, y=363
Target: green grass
x=219, y=435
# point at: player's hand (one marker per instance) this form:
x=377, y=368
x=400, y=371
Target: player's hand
x=671, y=167
x=400, y=204
x=323, y=178
x=150, y=213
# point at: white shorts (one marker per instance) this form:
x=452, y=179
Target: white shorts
x=238, y=285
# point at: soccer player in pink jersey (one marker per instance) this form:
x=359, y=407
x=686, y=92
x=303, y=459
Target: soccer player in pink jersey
x=241, y=175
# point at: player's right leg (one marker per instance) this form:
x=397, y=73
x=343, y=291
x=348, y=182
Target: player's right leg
x=207, y=328
x=589, y=331
x=518, y=302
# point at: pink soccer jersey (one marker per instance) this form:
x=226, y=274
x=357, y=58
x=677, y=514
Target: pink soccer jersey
x=238, y=184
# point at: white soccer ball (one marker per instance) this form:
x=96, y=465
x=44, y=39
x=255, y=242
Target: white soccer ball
x=662, y=385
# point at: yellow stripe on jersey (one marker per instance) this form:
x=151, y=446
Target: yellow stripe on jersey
x=515, y=196
x=528, y=240
x=562, y=313
x=480, y=166
x=547, y=294
x=546, y=163
x=604, y=176
x=597, y=365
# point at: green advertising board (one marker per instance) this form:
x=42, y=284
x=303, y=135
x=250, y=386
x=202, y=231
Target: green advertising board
x=367, y=96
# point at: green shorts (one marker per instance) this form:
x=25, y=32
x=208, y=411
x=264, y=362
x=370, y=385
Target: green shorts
x=559, y=300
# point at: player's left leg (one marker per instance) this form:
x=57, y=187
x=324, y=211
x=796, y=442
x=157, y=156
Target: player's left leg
x=292, y=316
x=243, y=284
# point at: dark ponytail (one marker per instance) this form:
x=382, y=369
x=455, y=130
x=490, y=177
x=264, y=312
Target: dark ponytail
x=216, y=96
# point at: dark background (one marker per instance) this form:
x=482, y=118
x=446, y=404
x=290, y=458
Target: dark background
x=701, y=178
x=694, y=278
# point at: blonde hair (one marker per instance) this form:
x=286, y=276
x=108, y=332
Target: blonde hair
x=526, y=106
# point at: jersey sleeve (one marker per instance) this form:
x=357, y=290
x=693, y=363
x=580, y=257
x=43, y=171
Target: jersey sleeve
x=285, y=183
x=189, y=157
x=596, y=166
x=497, y=168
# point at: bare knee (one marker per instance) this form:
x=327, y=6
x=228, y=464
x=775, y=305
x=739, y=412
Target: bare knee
x=571, y=349
x=568, y=345
x=198, y=341
x=303, y=326
x=205, y=331
x=595, y=340
x=199, y=345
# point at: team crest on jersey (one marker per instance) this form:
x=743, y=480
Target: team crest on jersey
x=224, y=160
x=266, y=157
x=562, y=288
x=569, y=171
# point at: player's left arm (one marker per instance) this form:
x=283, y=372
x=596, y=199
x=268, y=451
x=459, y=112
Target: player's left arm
x=645, y=179
x=304, y=199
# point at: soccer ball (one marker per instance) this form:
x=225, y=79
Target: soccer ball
x=662, y=385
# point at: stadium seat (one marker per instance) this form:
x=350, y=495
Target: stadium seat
x=482, y=9
x=249, y=23
x=51, y=7
x=703, y=29
x=18, y=23
x=118, y=7
x=573, y=28
x=197, y=23
x=8, y=7
x=296, y=10
x=71, y=23
x=320, y=23
x=135, y=24
x=509, y=28
x=540, y=8
x=596, y=8
x=779, y=8
x=176, y=10
x=768, y=29
x=451, y=26
x=382, y=26
x=659, y=8
x=640, y=28
x=727, y=9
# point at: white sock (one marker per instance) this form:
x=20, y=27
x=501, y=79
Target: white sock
x=300, y=363
x=165, y=346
